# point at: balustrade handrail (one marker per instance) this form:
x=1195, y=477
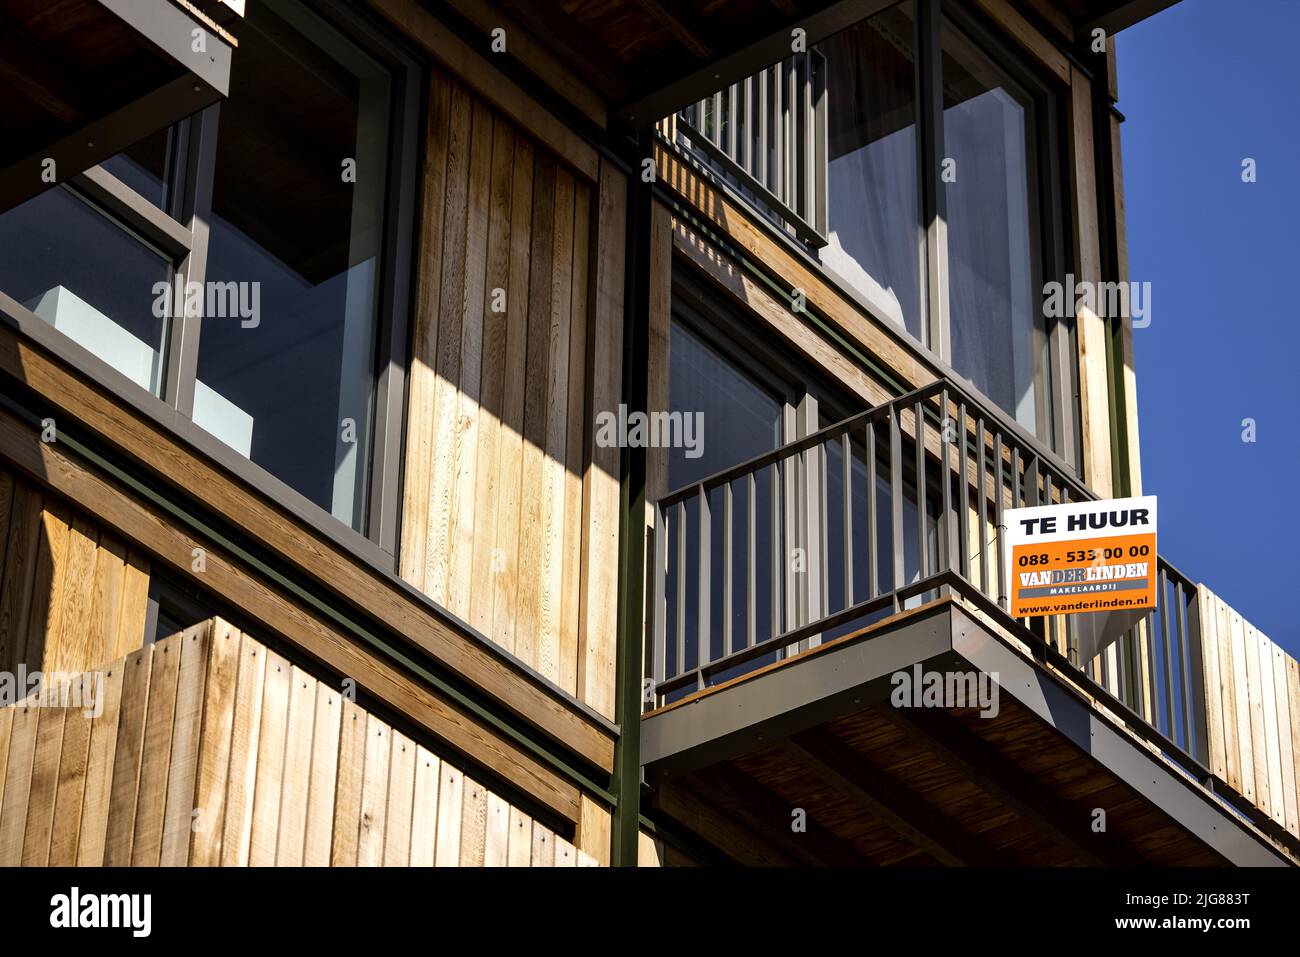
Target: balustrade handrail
x=1156, y=676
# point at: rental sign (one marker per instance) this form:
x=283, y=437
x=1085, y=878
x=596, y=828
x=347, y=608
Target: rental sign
x=1081, y=557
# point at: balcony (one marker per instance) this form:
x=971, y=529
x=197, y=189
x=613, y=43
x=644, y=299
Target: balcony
x=807, y=556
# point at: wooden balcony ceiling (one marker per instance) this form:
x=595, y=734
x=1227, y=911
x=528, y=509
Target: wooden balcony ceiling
x=882, y=785
x=649, y=57
x=882, y=788
x=86, y=78
x=629, y=48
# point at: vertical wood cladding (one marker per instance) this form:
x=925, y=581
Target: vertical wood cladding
x=210, y=749
x=507, y=506
x=71, y=594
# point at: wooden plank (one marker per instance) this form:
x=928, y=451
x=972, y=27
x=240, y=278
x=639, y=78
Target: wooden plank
x=1228, y=686
x=1286, y=741
x=48, y=585
x=1130, y=424
x=20, y=572
x=128, y=757
x=312, y=553
x=135, y=604
x=351, y=775
x=291, y=835
x=106, y=601
x=551, y=580
x=460, y=518
x=100, y=768
x=473, y=826
x=776, y=317
x=44, y=785
x=1028, y=36
x=424, y=341
x=74, y=647
x=650, y=853
x=493, y=382
x=18, y=782
x=543, y=846
x=156, y=756
x=1094, y=378
x=450, y=321
x=396, y=688
x=533, y=51
x=566, y=855
x=374, y=794
x=593, y=833
x=1293, y=703
x=220, y=697
x=194, y=648
x=71, y=788
x=245, y=739
x=450, y=800
x=496, y=846
x=1258, y=741
x=424, y=808
x=598, y=624
x=1213, y=697
x=487, y=80
x=575, y=448
x=269, y=780
x=740, y=226
x=1272, y=743
x=401, y=800
x=531, y=541
x=324, y=776
x=6, y=731
x=510, y=453
x=519, y=852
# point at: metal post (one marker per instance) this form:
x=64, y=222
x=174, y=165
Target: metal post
x=626, y=782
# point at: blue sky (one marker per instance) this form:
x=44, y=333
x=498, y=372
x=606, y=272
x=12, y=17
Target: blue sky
x=1204, y=85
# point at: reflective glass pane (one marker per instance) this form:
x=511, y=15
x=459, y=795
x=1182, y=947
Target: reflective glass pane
x=88, y=277
x=143, y=167
x=993, y=252
x=733, y=418
x=286, y=361
x=875, y=236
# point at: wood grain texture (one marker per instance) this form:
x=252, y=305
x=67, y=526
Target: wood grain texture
x=156, y=752
x=215, y=745
x=100, y=766
x=401, y=801
x=209, y=748
x=506, y=498
x=128, y=756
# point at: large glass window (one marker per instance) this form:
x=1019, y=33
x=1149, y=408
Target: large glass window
x=297, y=217
x=942, y=201
x=875, y=238
x=738, y=419
x=993, y=243
x=54, y=255
x=243, y=266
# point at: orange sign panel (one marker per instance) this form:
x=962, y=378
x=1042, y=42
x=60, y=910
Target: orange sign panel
x=1081, y=557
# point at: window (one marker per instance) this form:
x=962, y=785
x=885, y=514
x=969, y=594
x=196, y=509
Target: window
x=292, y=387
x=993, y=234
x=948, y=224
x=875, y=237
x=768, y=555
x=250, y=268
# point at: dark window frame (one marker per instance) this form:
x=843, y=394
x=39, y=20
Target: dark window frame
x=1059, y=414
x=180, y=230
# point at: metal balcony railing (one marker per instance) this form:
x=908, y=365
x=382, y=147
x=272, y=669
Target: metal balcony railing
x=827, y=534
x=766, y=137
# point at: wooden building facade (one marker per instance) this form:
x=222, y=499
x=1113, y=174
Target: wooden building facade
x=339, y=532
